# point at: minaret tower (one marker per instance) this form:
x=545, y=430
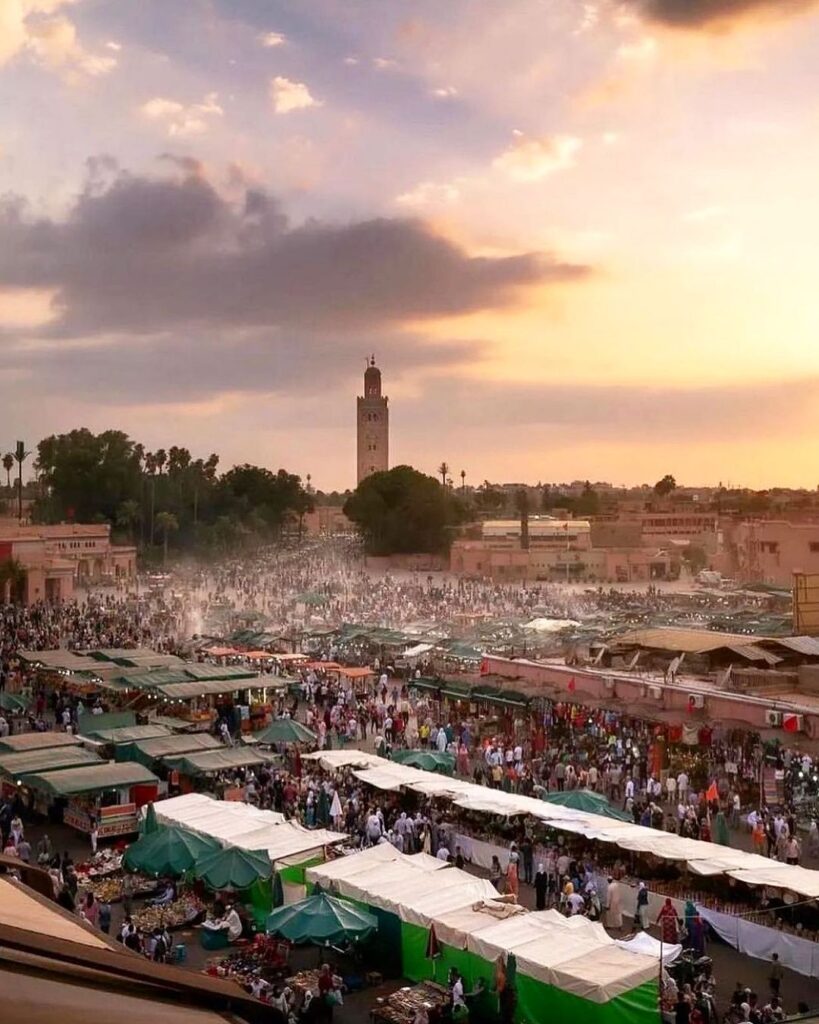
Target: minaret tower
x=373, y=425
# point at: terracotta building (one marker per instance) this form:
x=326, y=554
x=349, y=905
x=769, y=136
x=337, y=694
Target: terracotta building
x=55, y=558
x=373, y=424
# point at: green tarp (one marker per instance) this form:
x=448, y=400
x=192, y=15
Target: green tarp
x=233, y=868
x=127, y=734
x=14, y=766
x=148, y=751
x=90, y=779
x=586, y=800
x=14, y=703
x=168, y=851
x=321, y=919
x=426, y=760
x=537, y=1003
x=107, y=720
x=285, y=730
x=209, y=762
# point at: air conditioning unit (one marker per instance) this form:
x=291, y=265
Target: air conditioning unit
x=656, y=692
x=773, y=718
x=696, y=701
x=609, y=684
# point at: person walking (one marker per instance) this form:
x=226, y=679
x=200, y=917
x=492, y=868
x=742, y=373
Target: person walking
x=614, y=905
x=541, y=887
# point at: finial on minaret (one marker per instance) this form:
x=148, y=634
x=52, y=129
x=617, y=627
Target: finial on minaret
x=372, y=359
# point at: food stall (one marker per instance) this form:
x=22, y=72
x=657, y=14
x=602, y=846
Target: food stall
x=37, y=741
x=13, y=767
x=109, y=793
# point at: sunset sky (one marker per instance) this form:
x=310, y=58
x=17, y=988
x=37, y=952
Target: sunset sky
x=580, y=237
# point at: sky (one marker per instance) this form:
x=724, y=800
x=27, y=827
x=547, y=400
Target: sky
x=579, y=237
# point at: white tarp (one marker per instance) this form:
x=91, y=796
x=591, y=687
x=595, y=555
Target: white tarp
x=424, y=910
x=800, y=955
x=238, y=824
x=747, y=867
x=647, y=945
x=454, y=928
x=550, y=625
x=417, y=651
x=497, y=938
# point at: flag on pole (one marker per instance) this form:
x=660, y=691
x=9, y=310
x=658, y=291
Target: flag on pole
x=791, y=722
x=712, y=793
x=572, y=685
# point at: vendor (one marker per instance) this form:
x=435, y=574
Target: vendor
x=233, y=923
x=167, y=895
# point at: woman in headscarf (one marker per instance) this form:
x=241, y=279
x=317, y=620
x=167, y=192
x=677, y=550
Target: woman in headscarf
x=541, y=887
x=669, y=923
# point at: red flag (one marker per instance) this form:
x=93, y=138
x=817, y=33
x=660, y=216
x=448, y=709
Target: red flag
x=484, y=666
x=791, y=722
x=572, y=685
x=712, y=793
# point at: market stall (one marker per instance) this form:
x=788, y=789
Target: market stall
x=14, y=766
x=37, y=741
x=169, y=850
x=150, y=751
x=107, y=795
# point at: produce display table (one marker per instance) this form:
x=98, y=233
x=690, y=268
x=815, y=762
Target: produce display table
x=402, y=1006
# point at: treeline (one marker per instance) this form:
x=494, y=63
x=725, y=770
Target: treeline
x=164, y=498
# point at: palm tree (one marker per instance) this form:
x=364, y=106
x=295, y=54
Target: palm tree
x=128, y=515
x=443, y=469
x=166, y=523
x=160, y=457
x=8, y=465
x=463, y=480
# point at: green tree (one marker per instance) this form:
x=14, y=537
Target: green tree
x=87, y=475
x=128, y=516
x=443, y=469
x=13, y=576
x=166, y=523
x=696, y=558
x=8, y=465
x=665, y=486
x=588, y=504
x=404, y=511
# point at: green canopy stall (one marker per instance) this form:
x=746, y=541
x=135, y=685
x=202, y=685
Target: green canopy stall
x=426, y=760
x=586, y=800
x=285, y=730
x=322, y=919
x=168, y=851
x=233, y=868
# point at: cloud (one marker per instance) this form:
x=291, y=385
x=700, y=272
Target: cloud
x=445, y=92
x=641, y=50
x=384, y=63
x=139, y=255
x=181, y=120
x=351, y=61
x=429, y=193
x=287, y=95
x=111, y=45
x=532, y=159
x=37, y=29
x=621, y=412
x=704, y=213
x=714, y=13
x=271, y=39
x=589, y=16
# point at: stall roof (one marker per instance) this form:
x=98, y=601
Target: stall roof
x=209, y=762
x=197, y=670
x=90, y=779
x=58, y=660
x=147, y=751
x=37, y=741
x=46, y=760
x=199, y=688
x=690, y=641
x=127, y=734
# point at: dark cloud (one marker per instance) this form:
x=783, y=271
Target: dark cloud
x=697, y=13
x=143, y=255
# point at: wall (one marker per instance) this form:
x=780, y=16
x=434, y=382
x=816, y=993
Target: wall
x=408, y=563
x=772, y=551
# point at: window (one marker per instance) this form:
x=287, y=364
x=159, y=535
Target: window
x=814, y=546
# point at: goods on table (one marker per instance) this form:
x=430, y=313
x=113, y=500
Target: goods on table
x=111, y=889
x=304, y=981
x=104, y=862
x=402, y=1006
x=181, y=912
x=266, y=959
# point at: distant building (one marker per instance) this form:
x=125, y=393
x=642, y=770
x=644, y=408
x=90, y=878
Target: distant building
x=55, y=558
x=325, y=520
x=373, y=424
x=771, y=551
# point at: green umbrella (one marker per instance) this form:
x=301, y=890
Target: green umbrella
x=285, y=730
x=321, y=919
x=233, y=868
x=586, y=800
x=427, y=760
x=16, y=703
x=151, y=824
x=167, y=851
